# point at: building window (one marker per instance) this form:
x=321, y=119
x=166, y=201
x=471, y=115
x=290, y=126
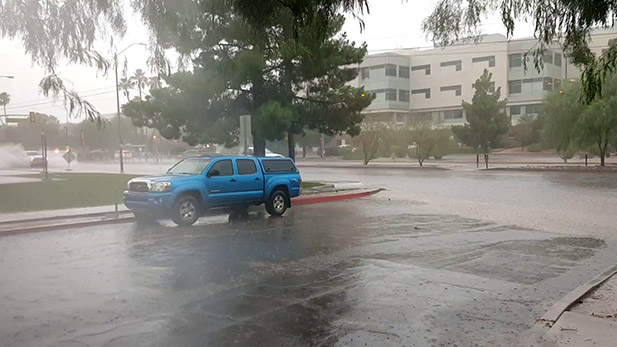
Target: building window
x=458, y=64
x=533, y=80
x=426, y=92
x=489, y=58
x=515, y=110
x=391, y=70
x=426, y=68
x=515, y=60
x=456, y=89
x=548, y=83
x=365, y=73
x=557, y=84
x=514, y=87
x=533, y=109
x=453, y=114
x=557, y=59
x=548, y=57
x=391, y=94
x=403, y=71
x=403, y=95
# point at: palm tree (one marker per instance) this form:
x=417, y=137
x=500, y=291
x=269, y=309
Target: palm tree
x=126, y=84
x=140, y=79
x=5, y=98
x=154, y=82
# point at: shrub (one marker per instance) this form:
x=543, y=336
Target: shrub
x=399, y=152
x=534, y=148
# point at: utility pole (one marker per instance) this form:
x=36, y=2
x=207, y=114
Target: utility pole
x=118, y=111
x=118, y=101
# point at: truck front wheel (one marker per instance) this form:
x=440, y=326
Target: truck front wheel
x=185, y=211
x=277, y=204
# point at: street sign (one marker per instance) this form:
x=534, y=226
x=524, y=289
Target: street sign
x=69, y=156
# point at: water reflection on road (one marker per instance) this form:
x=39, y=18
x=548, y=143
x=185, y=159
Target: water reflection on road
x=374, y=271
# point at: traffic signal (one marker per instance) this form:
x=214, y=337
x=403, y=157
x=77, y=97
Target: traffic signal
x=32, y=117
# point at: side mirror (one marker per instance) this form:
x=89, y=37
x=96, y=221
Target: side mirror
x=213, y=172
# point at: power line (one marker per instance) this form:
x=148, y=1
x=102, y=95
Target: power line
x=19, y=104
x=53, y=101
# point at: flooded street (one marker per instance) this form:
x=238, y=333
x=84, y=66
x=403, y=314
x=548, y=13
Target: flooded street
x=441, y=258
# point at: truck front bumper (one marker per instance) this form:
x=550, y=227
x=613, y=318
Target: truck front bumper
x=155, y=203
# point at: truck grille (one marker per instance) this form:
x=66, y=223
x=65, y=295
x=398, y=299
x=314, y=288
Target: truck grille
x=140, y=187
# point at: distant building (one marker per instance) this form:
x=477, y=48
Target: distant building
x=433, y=83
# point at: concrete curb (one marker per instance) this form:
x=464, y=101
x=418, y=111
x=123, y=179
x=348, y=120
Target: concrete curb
x=554, y=312
x=373, y=166
x=315, y=199
x=56, y=226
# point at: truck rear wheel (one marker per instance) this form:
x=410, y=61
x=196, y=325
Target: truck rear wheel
x=277, y=204
x=185, y=211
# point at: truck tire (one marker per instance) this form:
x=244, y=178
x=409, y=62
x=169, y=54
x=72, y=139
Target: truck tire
x=277, y=204
x=185, y=211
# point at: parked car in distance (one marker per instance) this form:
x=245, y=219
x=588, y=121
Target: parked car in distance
x=35, y=159
x=196, y=185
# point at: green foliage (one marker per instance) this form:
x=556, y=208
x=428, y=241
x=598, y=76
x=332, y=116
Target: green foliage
x=534, y=148
x=562, y=111
x=273, y=120
x=485, y=117
x=258, y=63
x=370, y=140
x=598, y=124
x=527, y=131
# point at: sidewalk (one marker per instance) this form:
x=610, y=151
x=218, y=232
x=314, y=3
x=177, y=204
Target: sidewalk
x=591, y=321
x=79, y=217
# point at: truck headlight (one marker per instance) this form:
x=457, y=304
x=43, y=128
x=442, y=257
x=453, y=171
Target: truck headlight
x=160, y=186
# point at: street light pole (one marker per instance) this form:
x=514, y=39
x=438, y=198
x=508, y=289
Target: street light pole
x=9, y=77
x=118, y=110
x=118, y=100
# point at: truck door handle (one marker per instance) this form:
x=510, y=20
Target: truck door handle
x=257, y=179
x=232, y=180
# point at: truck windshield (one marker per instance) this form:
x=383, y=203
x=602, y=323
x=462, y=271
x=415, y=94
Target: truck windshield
x=189, y=167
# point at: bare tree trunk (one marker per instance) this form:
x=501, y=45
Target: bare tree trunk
x=486, y=160
x=303, y=151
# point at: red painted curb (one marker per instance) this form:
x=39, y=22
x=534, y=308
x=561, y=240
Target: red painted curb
x=319, y=199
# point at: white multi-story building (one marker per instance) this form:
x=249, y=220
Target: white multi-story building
x=434, y=82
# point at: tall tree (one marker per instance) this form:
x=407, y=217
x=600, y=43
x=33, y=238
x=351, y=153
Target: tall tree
x=154, y=82
x=5, y=98
x=526, y=131
x=287, y=79
x=426, y=139
x=598, y=123
x=140, y=80
x=486, y=120
x=126, y=84
x=562, y=110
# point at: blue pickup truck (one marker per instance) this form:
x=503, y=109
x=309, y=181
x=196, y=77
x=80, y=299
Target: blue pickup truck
x=198, y=184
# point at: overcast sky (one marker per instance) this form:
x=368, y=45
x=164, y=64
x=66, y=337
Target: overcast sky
x=391, y=24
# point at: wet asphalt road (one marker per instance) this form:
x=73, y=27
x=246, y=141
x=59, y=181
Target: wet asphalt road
x=413, y=266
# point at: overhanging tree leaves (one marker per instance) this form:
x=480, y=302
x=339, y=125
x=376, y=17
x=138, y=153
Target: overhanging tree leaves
x=54, y=30
x=486, y=120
